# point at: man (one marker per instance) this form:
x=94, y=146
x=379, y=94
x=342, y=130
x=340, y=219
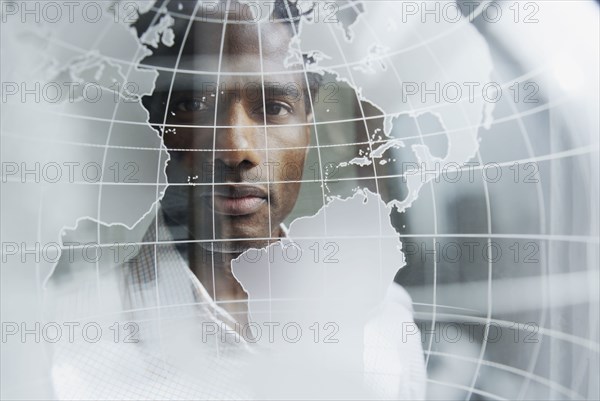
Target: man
x=237, y=127
x=234, y=116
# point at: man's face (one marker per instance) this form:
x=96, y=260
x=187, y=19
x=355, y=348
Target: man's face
x=220, y=136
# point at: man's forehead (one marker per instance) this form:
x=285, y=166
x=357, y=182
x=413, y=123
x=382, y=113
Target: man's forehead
x=207, y=83
x=237, y=48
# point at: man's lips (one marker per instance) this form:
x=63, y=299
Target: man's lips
x=236, y=200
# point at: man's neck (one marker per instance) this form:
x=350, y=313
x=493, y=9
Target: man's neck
x=213, y=270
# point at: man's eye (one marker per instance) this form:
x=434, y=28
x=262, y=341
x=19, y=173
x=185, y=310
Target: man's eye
x=191, y=105
x=276, y=109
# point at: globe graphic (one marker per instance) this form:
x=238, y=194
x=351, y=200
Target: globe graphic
x=451, y=148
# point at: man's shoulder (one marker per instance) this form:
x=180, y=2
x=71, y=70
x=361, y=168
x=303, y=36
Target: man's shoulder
x=398, y=295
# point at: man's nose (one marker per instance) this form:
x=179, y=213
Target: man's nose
x=239, y=138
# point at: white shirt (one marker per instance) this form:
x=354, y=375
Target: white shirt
x=173, y=357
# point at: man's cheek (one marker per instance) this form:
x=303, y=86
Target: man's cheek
x=292, y=165
x=289, y=195
x=292, y=170
x=178, y=141
x=187, y=138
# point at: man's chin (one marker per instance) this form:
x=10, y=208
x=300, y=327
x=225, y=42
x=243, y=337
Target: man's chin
x=236, y=234
x=236, y=246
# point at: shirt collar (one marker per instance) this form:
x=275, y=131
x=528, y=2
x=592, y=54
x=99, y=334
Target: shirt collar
x=177, y=286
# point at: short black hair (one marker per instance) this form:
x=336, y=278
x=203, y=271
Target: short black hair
x=288, y=11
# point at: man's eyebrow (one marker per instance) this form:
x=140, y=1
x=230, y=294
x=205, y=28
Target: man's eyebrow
x=201, y=84
x=279, y=89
